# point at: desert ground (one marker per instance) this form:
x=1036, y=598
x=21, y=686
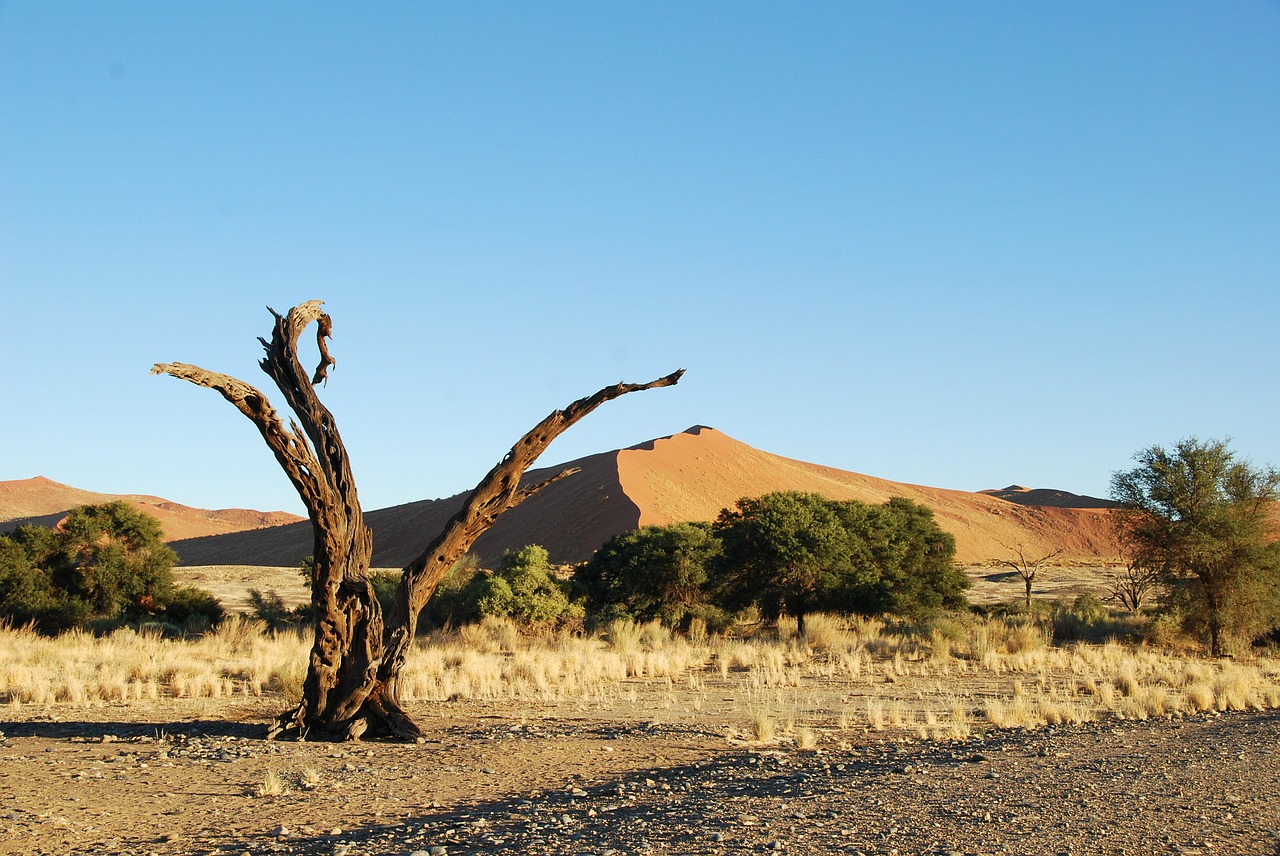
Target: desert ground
x=980, y=740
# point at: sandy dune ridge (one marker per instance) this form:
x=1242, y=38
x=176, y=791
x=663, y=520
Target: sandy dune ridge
x=687, y=476
x=44, y=502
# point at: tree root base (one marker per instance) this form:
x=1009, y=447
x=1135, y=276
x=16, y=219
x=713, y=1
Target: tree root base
x=377, y=720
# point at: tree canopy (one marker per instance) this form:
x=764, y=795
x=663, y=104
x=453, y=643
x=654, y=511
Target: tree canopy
x=654, y=572
x=526, y=589
x=796, y=553
x=103, y=563
x=1200, y=518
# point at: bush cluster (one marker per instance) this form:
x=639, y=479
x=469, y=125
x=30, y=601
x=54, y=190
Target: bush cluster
x=103, y=566
x=785, y=553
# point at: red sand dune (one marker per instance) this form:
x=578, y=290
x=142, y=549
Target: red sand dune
x=688, y=476
x=44, y=502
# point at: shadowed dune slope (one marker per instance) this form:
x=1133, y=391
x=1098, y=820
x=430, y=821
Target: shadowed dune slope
x=688, y=476
x=571, y=518
x=44, y=502
x=1046, y=496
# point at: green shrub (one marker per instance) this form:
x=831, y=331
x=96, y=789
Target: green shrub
x=526, y=589
x=652, y=572
x=1087, y=619
x=194, y=609
x=269, y=608
x=104, y=566
x=454, y=602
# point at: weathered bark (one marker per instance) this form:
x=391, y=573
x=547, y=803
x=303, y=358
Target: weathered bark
x=356, y=658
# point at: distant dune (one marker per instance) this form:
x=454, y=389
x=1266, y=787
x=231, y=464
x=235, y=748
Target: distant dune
x=688, y=476
x=44, y=502
x=1046, y=496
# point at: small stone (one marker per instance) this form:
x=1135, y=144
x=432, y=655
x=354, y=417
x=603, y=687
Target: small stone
x=578, y=792
x=281, y=831
x=776, y=844
x=717, y=836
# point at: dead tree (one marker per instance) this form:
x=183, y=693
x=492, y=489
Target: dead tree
x=1132, y=586
x=356, y=658
x=1027, y=567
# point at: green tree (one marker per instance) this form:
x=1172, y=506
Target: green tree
x=116, y=560
x=801, y=552
x=915, y=558
x=652, y=572
x=27, y=594
x=1200, y=518
x=525, y=588
x=103, y=563
x=789, y=552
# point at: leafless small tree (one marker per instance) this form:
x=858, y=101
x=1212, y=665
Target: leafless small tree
x=1132, y=586
x=1027, y=567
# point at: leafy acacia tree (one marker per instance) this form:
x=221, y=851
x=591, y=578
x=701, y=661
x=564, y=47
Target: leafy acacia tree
x=801, y=552
x=789, y=552
x=915, y=558
x=358, y=653
x=1201, y=519
x=652, y=572
x=103, y=563
x=525, y=588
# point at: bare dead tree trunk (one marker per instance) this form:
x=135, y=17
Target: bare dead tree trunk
x=1027, y=567
x=357, y=655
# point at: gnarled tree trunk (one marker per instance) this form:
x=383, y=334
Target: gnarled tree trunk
x=357, y=655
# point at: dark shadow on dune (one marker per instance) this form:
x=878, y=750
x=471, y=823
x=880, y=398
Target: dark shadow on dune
x=571, y=518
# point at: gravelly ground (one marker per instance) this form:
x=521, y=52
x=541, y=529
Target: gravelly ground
x=1202, y=785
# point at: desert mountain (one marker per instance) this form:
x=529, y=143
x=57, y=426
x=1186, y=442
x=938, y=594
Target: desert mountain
x=43, y=502
x=688, y=476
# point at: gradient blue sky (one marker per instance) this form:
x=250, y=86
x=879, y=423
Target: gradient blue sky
x=959, y=244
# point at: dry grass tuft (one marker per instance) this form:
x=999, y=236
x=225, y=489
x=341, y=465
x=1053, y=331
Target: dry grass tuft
x=937, y=681
x=272, y=785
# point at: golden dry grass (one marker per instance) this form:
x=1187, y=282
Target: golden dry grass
x=843, y=676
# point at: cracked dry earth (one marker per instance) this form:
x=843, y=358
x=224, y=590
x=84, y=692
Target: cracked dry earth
x=493, y=784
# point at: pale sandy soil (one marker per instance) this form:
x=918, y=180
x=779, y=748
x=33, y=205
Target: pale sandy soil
x=231, y=583
x=993, y=584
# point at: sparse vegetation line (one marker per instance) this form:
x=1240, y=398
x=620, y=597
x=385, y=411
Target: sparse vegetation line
x=843, y=679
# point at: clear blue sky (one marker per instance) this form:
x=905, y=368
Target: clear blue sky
x=962, y=244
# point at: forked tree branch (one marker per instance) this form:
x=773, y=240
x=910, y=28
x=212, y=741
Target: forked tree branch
x=291, y=449
x=499, y=491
